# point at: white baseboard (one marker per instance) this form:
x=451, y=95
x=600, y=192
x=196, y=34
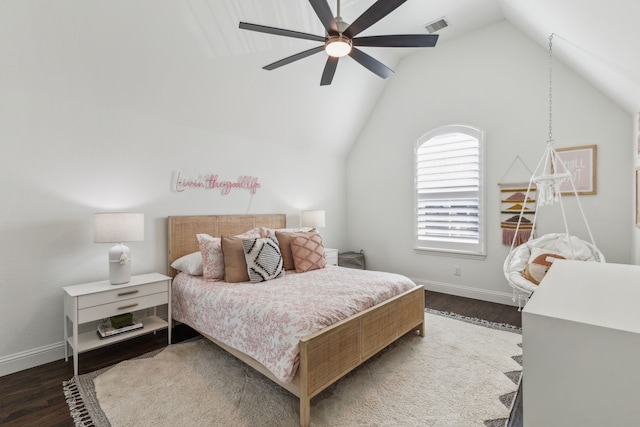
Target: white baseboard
x=467, y=292
x=31, y=358
x=37, y=356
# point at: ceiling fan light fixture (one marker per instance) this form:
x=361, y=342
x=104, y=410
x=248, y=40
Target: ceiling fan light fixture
x=338, y=46
x=341, y=39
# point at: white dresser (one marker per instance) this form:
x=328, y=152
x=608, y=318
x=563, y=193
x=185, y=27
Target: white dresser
x=90, y=302
x=581, y=347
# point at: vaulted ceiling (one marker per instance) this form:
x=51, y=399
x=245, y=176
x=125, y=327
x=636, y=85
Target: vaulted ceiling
x=596, y=38
x=187, y=63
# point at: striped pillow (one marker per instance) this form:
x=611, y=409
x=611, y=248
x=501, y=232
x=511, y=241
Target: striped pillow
x=263, y=257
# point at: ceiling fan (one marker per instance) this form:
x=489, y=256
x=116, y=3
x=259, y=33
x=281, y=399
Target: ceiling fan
x=340, y=38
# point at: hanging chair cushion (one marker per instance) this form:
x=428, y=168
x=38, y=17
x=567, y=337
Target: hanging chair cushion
x=527, y=257
x=539, y=263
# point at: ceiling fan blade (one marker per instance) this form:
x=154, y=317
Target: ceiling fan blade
x=370, y=63
x=379, y=10
x=293, y=58
x=280, y=32
x=323, y=10
x=329, y=71
x=403, y=40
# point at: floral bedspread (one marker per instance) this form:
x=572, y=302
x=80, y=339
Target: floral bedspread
x=267, y=320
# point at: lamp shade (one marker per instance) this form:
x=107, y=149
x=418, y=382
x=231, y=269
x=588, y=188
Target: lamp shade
x=118, y=227
x=312, y=219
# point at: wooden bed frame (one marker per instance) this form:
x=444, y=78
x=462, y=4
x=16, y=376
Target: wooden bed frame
x=329, y=354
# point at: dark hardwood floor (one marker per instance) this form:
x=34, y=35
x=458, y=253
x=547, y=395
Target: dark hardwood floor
x=497, y=313
x=34, y=397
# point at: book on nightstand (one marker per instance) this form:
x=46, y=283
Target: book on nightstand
x=105, y=330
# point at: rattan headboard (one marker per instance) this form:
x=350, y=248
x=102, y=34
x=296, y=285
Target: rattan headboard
x=183, y=229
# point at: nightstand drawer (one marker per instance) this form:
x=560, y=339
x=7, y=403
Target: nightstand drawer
x=120, y=307
x=121, y=294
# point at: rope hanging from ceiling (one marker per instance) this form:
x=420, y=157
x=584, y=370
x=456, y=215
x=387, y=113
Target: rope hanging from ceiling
x=528, y=261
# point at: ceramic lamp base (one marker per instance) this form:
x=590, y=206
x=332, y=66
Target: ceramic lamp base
x=119, y=264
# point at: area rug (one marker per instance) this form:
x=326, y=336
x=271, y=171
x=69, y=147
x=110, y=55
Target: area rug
x=464, y=372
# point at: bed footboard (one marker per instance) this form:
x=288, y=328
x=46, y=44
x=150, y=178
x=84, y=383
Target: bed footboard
x=331, y=353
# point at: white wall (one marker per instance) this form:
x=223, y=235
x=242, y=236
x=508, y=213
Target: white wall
x=52, y=186
x=74, y=142
x=495, y=79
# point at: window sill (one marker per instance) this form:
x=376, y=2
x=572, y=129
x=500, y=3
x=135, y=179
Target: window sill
x=450, y=253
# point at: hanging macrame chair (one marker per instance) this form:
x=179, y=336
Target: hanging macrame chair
x=527, y=263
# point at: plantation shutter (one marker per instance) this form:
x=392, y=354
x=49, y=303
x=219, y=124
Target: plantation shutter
x=448, y=191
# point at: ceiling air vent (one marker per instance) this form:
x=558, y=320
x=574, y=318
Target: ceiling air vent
x=437, y=25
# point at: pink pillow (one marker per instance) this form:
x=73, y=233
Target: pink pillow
x=284, y=240
x=308, y=253
x=212, y=257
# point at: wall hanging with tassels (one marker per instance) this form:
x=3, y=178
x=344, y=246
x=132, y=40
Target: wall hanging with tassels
x=517, y=207
x=516, y=214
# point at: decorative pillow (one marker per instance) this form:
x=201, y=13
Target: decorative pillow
x=235, y=266
x=539, y=263
x=252, y=234
x=308, y=253
x=211, y=255
x=190, y=264
x=263, y=258
x=284, y=240
x=266, y=231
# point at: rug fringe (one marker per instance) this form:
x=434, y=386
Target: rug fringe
x=499, y=422
x=509, y=399
x=76, y=405
x=476, y=321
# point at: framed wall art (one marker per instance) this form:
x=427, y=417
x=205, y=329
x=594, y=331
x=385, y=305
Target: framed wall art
x=638, y=135
x=638, y=197
x=582, y=163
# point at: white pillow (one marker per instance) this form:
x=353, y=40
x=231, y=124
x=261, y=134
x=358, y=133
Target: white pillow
x=265, y=231
x=190, y=264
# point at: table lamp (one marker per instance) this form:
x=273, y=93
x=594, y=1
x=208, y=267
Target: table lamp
x=313, y=219
x=118, y=227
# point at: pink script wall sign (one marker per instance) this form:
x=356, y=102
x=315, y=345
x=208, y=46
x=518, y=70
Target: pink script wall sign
x=212, y=182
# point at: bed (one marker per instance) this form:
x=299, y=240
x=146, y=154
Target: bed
x=323, y=356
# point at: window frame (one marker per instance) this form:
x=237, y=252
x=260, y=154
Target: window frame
x=472, y=250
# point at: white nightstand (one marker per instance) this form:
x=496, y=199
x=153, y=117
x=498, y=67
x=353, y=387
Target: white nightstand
x=89, y=302
x=331, y=255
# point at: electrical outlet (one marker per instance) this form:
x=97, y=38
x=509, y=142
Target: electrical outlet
x=457, y=271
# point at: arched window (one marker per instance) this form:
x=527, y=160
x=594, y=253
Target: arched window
x=449, y=191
